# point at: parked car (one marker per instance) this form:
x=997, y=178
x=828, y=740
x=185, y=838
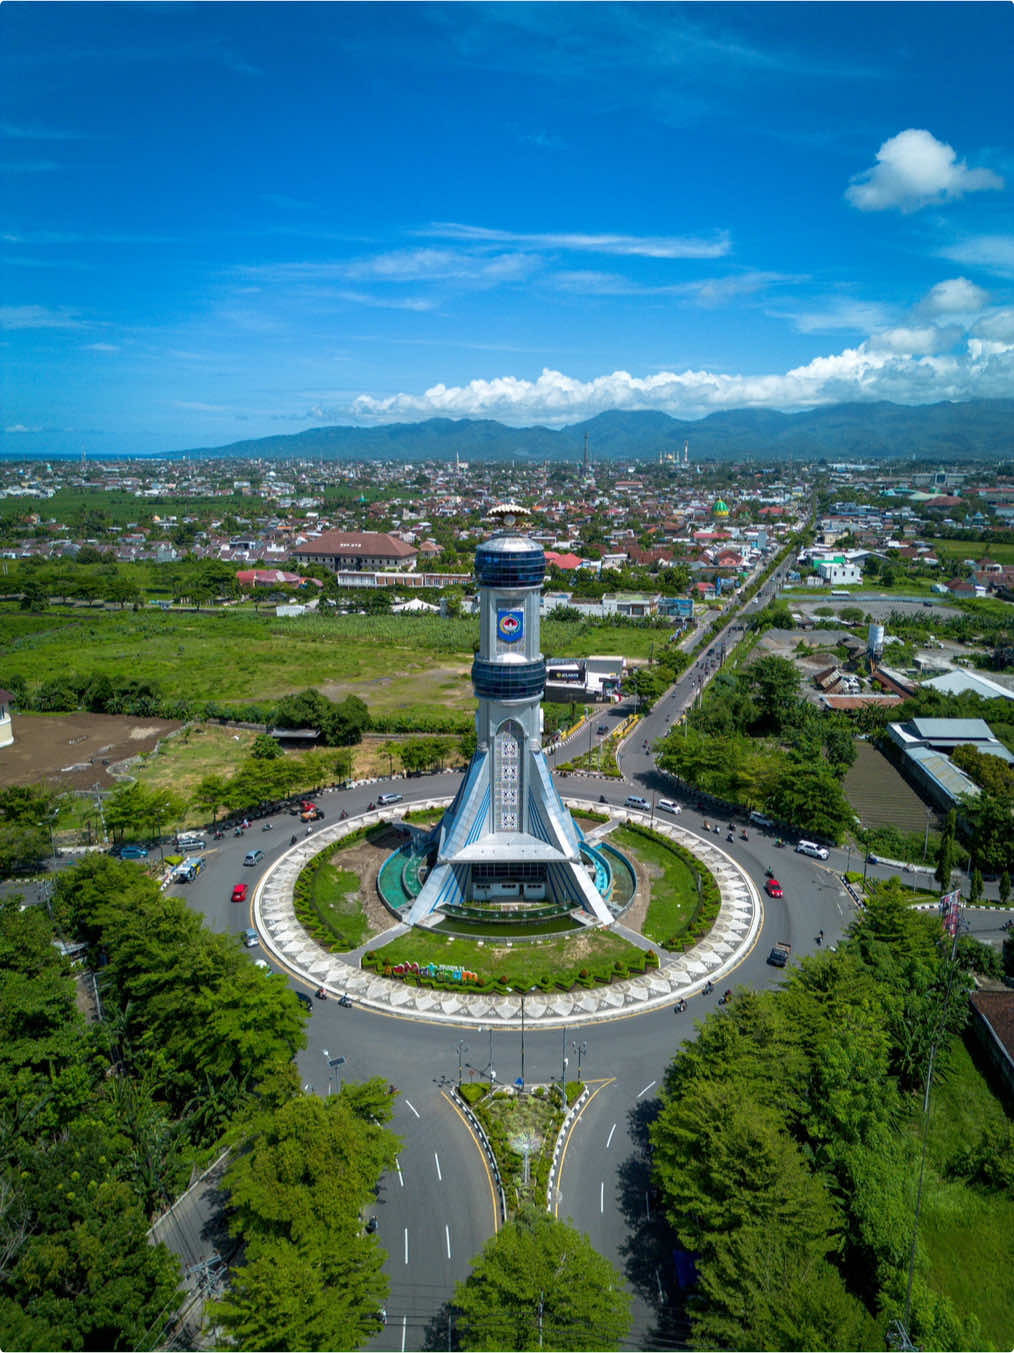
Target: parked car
x=636, y=801
x=253, y=857
x=132, y=853
x=669, y=806
x=811, y=848
x=239, y=893
x=250, y=938
x=773, y=888
x=384, y=799
x=761, y=820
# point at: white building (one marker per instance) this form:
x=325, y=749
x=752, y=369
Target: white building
x=6, y=726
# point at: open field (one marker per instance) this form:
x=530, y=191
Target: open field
x=972, y=549
x=234, y=653
x=880, y=795
x=76, y=751
x=959, y=1220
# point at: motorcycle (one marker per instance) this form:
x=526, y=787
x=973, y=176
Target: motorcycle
x=769, y=873
x=292, y=840
x=238, y=831
x=731, y=836
x=680, y=1007
x=343, y=815
x=745, y=835
x=219, y=835
x=344, y=1002
x=321, y=994
x=725, y=999
x=266, y=827
x=779, y=841
x=371, y=806
x=602, y=798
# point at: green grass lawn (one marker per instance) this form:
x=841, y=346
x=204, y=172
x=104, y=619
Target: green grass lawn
x=967, y=1232
x=235, y=653
x=523, y=964
x=972, y=549
x=673, y=885
x=335, y=893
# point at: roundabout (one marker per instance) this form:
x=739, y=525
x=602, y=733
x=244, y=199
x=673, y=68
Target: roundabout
x=712, y=959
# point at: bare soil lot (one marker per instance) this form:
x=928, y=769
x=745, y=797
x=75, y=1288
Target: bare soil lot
x=76, y=751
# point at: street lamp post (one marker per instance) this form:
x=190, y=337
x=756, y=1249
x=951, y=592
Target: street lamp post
x=580, y=1049
x=334, y=1064
x=523, y=995
x=462, y=1048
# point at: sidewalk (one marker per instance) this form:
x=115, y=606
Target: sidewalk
x=680, y=975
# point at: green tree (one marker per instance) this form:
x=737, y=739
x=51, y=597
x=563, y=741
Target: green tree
x=265, y=748
x=1004, y=887
x=210, y=794
x=539, y=1284
x=945, y=854
x=312, y=1277
x=975, y=887
x=774, y=684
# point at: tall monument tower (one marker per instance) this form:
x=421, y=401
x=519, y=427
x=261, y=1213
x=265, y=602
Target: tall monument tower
x=507, y=833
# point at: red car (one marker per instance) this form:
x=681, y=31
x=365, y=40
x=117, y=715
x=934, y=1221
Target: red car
x=239, y=892
x=773, y=888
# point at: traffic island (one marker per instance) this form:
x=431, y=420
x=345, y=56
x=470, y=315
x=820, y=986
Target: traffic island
x=676, y=976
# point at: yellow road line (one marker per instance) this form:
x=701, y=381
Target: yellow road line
x=482, y=1157
x=566, y=1141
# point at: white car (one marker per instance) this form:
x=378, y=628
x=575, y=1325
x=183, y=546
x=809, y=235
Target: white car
x=811, y=848
x=669, y=806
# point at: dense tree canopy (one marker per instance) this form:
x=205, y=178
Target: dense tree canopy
x=539, y=1284
x=796, y=1192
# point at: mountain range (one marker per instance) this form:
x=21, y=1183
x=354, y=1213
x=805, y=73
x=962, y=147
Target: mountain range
x=976, y=429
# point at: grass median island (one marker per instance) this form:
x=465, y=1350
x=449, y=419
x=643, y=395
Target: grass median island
x=587, y=959
x=684, y=895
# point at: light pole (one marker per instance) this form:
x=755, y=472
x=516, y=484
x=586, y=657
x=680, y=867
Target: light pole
x=462, y=1048
x=523, y=995
x=491, y=1069
x=580, y=1049
x=334, y=1064
x=563, y=1067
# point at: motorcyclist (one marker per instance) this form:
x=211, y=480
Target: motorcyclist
x=292, y=839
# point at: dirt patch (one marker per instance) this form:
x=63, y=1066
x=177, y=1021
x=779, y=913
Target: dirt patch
x=76, y=751
x=365, y=859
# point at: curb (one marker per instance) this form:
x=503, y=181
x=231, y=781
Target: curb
x=561, y=1136
x=480, y=1133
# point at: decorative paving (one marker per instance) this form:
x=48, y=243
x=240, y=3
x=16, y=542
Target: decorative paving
x=735, y=930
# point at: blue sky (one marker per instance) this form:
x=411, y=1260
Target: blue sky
x=222, y=221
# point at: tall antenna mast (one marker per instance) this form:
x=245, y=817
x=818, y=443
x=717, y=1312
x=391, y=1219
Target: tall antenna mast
x=586, y=453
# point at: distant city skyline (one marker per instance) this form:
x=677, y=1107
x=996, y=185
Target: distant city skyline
x=223, y=222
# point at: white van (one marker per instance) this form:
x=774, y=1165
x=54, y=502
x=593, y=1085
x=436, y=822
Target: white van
x=669, y=806
x=811, y=848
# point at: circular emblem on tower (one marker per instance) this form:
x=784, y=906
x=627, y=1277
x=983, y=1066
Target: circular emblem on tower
x=510, y=625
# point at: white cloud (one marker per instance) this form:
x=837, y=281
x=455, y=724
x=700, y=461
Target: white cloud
x=37, y=317
x=838, y=313
x=914, y=169
x=20, y=427
x=874, y=370
x=956, y=296
x=999, y=325
x=709, y=291
x=994, y=252
x=101, y=347
x=406, y=265
x=385, y=302
x=642, y=246
x=915, y=341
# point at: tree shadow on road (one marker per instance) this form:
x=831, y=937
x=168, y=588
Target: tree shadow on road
x=648, y=1250
x=440, y=1332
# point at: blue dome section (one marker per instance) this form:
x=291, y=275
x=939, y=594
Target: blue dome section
x=510, y=561
x=508, y=680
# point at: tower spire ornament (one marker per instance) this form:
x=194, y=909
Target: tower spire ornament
x=507, y=835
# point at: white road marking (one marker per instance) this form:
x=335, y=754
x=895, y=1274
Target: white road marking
x=646, y=1089
x=401, y=1177
x=404, y=1331
x=437, y=1159
x=610, y=1137
x=447, y=1233
x=602, y=1196
x=406, y=1244
x=417, y=1113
